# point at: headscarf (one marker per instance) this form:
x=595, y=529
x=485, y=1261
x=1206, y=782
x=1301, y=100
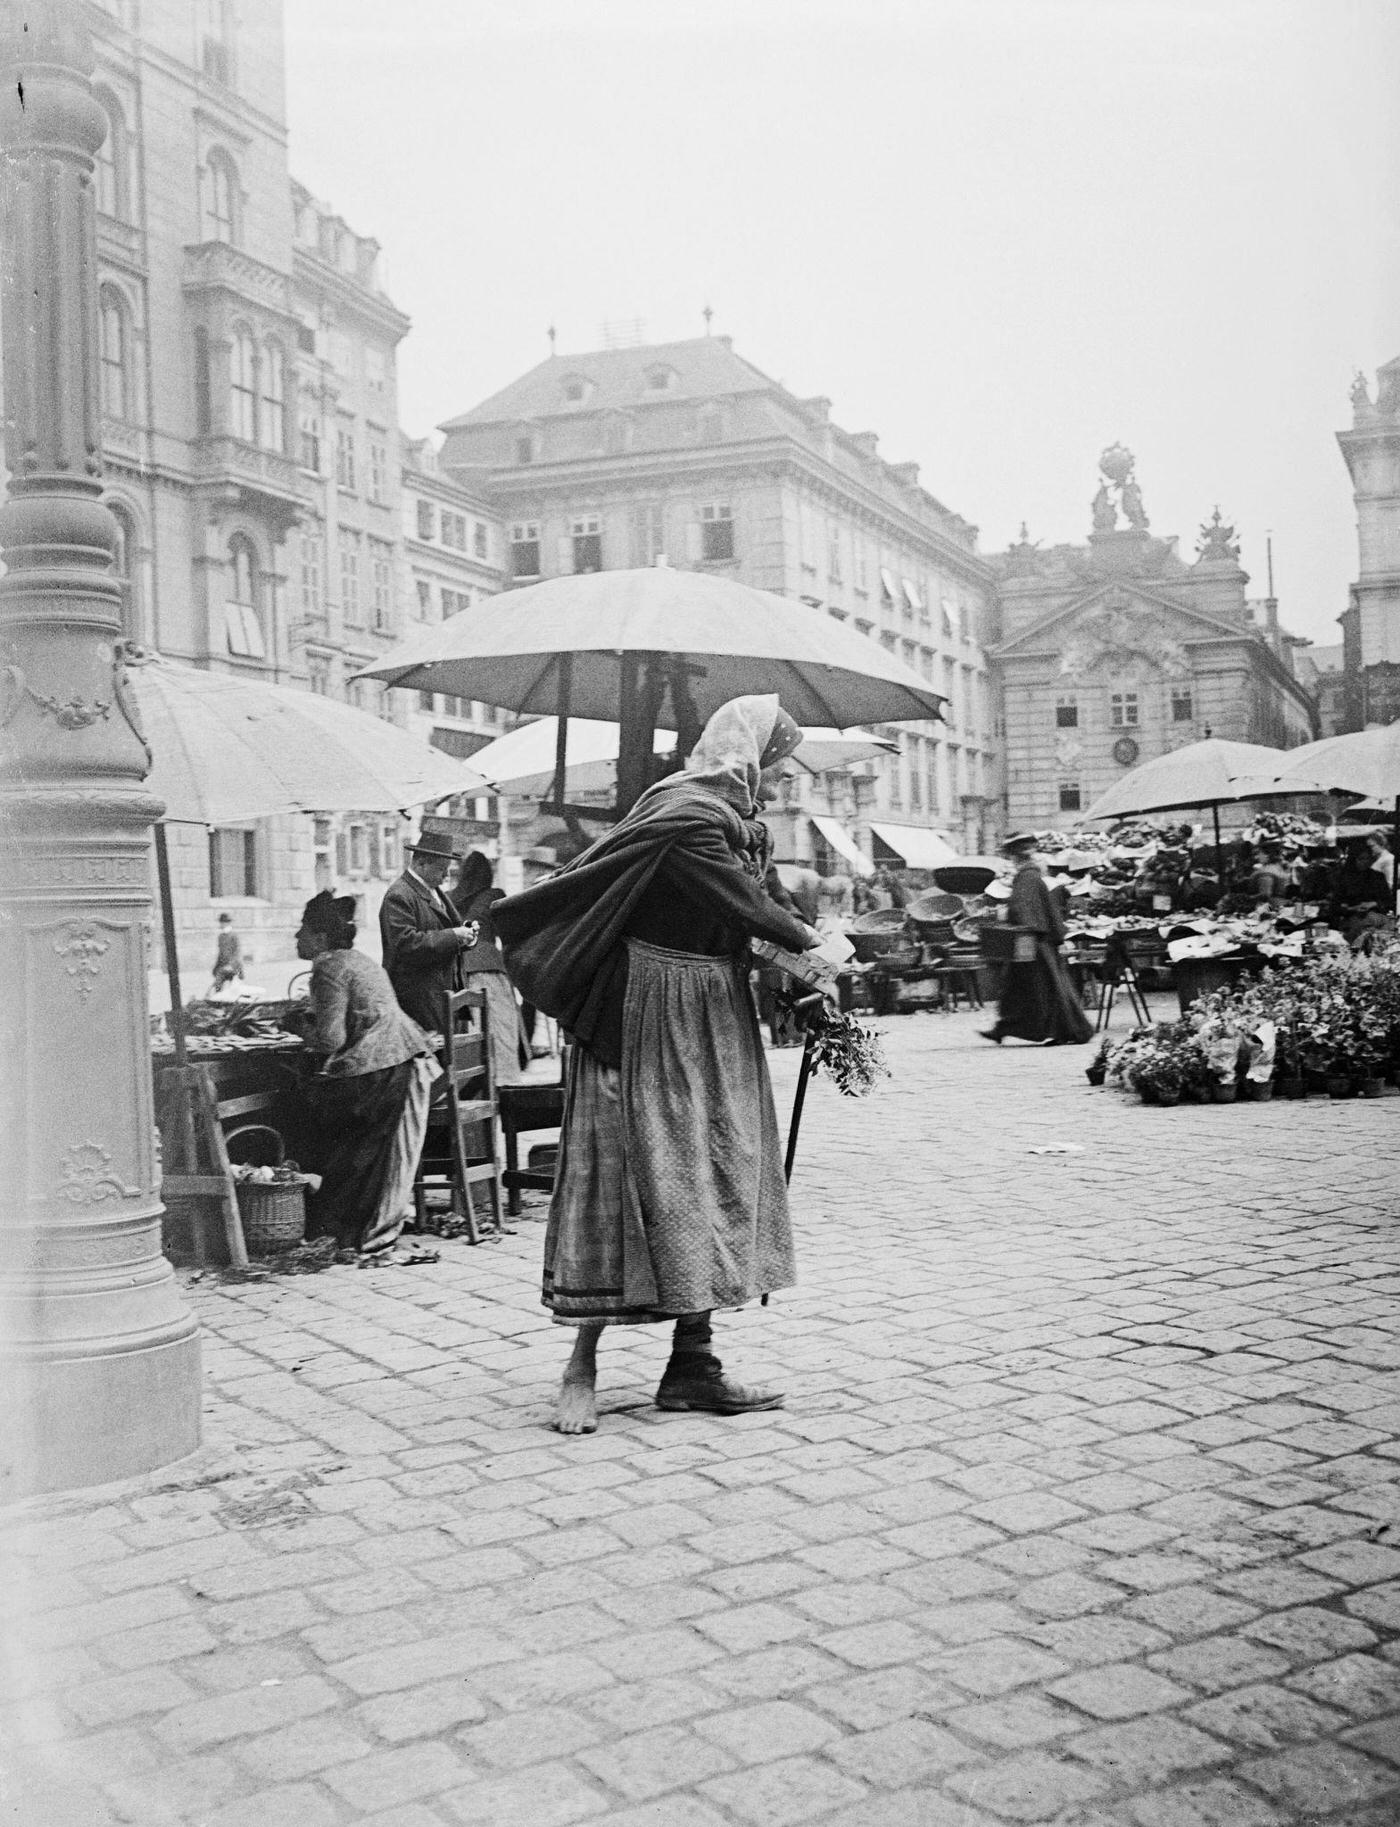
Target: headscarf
x=729, y=757
x=333, y=916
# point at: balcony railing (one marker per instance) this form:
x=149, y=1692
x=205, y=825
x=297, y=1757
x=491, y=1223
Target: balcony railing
x=215, y=266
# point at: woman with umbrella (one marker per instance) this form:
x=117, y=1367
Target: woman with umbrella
x=1038, y=1002
x=669, y=1197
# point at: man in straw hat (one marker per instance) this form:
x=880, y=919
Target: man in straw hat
x=421, y=933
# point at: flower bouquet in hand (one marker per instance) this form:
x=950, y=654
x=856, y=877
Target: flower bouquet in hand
x=851, y=1054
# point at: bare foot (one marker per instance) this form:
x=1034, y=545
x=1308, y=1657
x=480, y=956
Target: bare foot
x=576, y=1411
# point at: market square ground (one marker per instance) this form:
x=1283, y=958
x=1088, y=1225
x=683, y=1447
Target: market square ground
x=1084, y=1509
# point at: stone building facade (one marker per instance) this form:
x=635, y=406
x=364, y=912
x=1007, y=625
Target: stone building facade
x=250, y=421
x=1371, y=621
x=1110, y=653
x=687, y=452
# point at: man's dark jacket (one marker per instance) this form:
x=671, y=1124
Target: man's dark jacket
x=564, y=938
x=421, y=949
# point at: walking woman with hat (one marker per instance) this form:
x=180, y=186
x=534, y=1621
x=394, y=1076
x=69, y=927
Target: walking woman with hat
x=1038, y=1000
x=669, y=1198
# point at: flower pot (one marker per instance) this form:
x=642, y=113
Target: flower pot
x=1373, y=1087
x=1293, y=1087
x=1148, y=1094
x=1223, y=1094
x=1315, y=1080
x=1340, y=1084
x=1167, y=1098
x=1096, y=1074
x=1257, y=1091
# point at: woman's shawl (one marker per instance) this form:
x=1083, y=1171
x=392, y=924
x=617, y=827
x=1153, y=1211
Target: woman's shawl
x=1031, y=905
x=563, y=937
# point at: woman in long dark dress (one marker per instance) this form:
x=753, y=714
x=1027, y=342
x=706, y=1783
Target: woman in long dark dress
x=1038, y=999
x=669, y=1197
x=369, y=1102
x=483, y=967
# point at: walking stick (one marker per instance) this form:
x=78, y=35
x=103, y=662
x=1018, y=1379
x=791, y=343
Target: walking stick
x=804, y=1072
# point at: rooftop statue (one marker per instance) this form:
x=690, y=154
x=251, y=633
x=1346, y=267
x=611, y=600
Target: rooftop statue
x=1218, y=541
x=1133, y=511
x=1117, y=463
x=1360, y=393
x=1105, y=514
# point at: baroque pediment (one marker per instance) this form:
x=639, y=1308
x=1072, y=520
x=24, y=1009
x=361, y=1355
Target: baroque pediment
x=1121, y=630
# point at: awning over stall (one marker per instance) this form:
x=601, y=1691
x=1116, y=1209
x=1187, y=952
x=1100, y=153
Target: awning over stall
x=844, y=844
x=920, y=847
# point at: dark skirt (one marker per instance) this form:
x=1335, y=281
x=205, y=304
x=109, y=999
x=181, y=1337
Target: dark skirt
x=670, y=1196
x=351, y=1145
x=1039, y=1001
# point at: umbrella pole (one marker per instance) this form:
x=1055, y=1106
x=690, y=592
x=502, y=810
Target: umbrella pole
x=1395, y=860
x=172, y=956
x=561, y=740
x=1215, y=814
x=642, y=686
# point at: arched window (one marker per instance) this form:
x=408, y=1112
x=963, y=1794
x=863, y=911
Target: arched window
x=115, y=341
x=112, y=160
x=220, y=198
x=125, y=562
x=243, y=386
x=242, y=622
x=272, y=431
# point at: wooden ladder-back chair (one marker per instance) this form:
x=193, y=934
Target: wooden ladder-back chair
x=525, y=1108
x=460, y=1146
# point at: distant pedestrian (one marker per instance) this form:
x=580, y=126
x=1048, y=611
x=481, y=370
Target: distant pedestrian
x=228, y=960
x=1038, y=1000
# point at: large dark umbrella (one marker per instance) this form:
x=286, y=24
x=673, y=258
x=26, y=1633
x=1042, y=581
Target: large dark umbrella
x=1365, y=762
x=653, y=649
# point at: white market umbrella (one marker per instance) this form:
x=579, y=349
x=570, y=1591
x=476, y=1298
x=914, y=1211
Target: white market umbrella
x=657, y=648
x=226, y=748
x=1365, y=762
x=1210, y=774
x=523, y=761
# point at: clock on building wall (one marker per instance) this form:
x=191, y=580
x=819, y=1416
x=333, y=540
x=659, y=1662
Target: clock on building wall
x=1125, y=751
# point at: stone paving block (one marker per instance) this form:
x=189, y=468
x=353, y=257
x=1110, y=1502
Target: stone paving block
x=642, y=1654
x=301, y=1749
x=1360, y=1685
x=406, y=1664
x=1266, y=1717
x=1117, y=1690
x=1308, y=1633
x=523, y=1738
x=1217, y=1802
x=201, y=1723
x=1380, y=1605
x=1322, y=1779
x=1016, y=1722
x=1189, y=1611
x=784, y=1794
x=289, y=1805
x=904, y=1753
x=119, y=1697
x=1381, y=1738
x=423, y=1711
x=764, y=1731
x=1275, y=1587
x=1032, y=1787
x=1142, y=1753
x=406, y=1774
x=638, y=1705
x=188, y=1787
x=648, y=1764
x=877, y=1645
x=549, y=1795
x=884, y=1696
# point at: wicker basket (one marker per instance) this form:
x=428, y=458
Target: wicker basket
x=274, y=1217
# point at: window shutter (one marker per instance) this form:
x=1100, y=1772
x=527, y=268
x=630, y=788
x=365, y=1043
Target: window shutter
x=566, y=555
x=694, y=541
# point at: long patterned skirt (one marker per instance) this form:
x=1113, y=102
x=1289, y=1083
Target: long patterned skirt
x=669, y=1196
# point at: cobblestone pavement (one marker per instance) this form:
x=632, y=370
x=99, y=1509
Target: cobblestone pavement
x=1083, y=1509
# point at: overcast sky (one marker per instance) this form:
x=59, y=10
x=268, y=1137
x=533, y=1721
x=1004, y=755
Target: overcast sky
x=1002, y=234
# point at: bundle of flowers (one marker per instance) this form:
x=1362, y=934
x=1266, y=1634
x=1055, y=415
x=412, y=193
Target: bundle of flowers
x=851, y=1054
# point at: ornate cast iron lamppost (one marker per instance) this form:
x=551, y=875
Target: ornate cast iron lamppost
x=99, y=1354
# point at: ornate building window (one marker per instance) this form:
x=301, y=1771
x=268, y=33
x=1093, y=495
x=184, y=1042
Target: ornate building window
x=382, y=585
x=479, y=540
x=125, y=561
x=273, y=415
x=115, y=342
x=242, y=622
x=309, y=438
x=345, y=456
x=113, y=161
x=1123, y=710
x=350, y=579
x=1182, y=711
x=427, y=519
x=586, y=541
x=378, y=470
x=312, y=574
x=1071, y=798
x=216, y=40
x=233, y=863
x=1066, y=713
x=220, y=199
x=243, y=386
